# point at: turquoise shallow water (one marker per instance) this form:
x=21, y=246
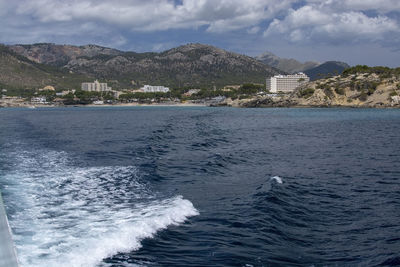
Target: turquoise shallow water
x=169, y=186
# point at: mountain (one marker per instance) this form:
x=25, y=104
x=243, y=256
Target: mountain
x=60, y=55
x=313, y=69
x=18, y=72
x=285, y=64
x=329, y=68
x=188, y=65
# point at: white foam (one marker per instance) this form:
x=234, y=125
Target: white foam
x=277, y=179
x=68, y=216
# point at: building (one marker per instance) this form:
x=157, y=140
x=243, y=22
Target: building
x=65, y=92
x=286, y=83
x=39, y=100
x=96, y=86
x=153, y=89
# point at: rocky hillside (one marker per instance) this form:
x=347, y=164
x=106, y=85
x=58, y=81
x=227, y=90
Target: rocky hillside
x=60, y=55
x=360, y=86
x=18, y=72
x=288, y=65
x=189, y=65
x=329, y=68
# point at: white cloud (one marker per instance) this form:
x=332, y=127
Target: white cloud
x=382, y=6
x=133, y=23
x=153, y=15
x=319, y=22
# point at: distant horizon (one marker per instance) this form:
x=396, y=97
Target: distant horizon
x=355, y=32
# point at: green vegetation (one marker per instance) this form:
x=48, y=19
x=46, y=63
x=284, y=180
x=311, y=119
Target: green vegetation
x=383, y=72
x=18, y=73
x=250, y=88
x=363, y=96
x=306, y=93
x=394, y=93
x=339, y=90
x=193, y=65
x=323, y=86
x=143, y=96
x=369, y=86
x=84, y=97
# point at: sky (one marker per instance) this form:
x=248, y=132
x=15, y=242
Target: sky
x=353, y=31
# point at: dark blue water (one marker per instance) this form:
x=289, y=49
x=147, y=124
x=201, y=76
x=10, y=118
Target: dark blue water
x=162, y=186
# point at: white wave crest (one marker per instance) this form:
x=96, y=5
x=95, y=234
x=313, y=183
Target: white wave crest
x=277, y=179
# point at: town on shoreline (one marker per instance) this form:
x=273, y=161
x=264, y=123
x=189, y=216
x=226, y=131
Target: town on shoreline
x=359, y=86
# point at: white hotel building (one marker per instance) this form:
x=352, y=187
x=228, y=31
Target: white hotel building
x=153, y=89
x=96, y=86
x=286, y=83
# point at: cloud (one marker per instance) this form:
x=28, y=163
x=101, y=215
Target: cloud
x=253, y=30
x=381, y=6
x=325, y=22
x=156, y=15
x=160, y=24
x=80, y=20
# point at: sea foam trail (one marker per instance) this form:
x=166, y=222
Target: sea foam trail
x=69, y=216
x=126, y=233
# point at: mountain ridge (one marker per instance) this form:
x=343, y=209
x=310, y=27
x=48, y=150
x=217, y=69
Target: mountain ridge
x=289, y=65
x=19, y=72
x=314, y=70
x=195, y=65
x=326, y=69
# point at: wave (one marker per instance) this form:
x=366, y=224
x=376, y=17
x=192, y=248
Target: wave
x=277, y=179
x=72, y=216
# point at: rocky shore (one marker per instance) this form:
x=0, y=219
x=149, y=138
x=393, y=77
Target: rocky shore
x=365, y=90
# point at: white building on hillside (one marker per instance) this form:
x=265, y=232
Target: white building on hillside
x=96, y=86
x=153, y=89
x=286, y=83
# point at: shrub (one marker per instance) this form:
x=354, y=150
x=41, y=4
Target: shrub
x=394, y=93
x=383, y=72
x=340, y=90
x=363, y=96
x=306, y=93
x=244, y=96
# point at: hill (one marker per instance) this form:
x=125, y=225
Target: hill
x=314, y=70
x=359, y=86
x=188, y=65
x=288, y=65
x=18, y=73
x=329, y=68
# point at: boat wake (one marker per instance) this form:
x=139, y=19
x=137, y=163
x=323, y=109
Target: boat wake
x=63, y=215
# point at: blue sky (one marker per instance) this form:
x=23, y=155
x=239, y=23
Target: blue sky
x=354, y=31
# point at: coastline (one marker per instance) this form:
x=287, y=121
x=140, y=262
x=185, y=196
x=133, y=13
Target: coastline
x=220, y=105
x=33, y=106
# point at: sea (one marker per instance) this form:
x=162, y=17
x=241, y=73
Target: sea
x=201, y=186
